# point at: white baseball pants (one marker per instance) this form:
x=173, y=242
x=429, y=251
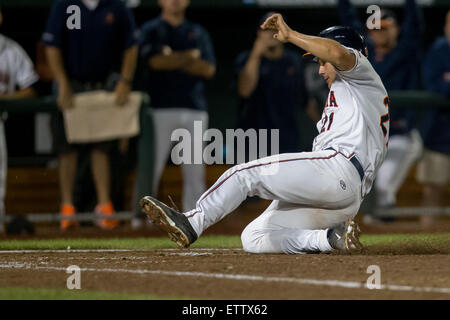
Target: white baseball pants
x=312, y=191
x=403, y=151
x=165, y=122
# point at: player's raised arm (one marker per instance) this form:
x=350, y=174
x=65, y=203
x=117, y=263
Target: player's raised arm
x=325, y=49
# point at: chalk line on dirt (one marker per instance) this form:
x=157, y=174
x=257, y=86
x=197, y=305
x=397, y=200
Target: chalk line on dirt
x=244, y=277
x=116, y=250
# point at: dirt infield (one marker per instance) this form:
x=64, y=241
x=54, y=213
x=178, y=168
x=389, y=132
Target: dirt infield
x=232, y=273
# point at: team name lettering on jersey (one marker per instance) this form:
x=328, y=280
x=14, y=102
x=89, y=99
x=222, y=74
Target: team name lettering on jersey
x=385, y=119
x=331, y=101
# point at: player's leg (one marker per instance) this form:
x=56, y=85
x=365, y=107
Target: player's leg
x=287, y=228
x=67, y=165
x=194, y=176
x=403, y=151
x=67, y=172
x=101, y=175
x=101, y=172
x=165, y=121
x=433, y=171
x=67, y=168
x=322, y=179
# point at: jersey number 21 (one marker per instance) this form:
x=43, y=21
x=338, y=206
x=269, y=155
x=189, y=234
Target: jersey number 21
x=385, y=118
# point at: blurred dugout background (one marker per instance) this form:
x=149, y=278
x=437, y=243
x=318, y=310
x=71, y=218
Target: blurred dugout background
x=231, y=24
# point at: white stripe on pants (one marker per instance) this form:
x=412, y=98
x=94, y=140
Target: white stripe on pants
x=165, y=122
x=312, y=191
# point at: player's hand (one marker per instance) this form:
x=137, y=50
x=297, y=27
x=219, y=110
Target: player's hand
x=166, y=50
x=65, y=99
x=122, y=92
x=193, y=54
x=276, y=22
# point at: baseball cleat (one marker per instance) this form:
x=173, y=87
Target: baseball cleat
x=106, y=211
x=174, y=223
x=345, y=237
x=67, y=212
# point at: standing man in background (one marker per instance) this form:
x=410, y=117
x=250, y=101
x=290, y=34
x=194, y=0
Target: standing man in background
x=396, y=54
x=101, y=54
x=179, y=56
x=271, y=89
x=434, y=169
x=17, y=76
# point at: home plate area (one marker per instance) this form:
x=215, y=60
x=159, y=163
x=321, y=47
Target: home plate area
x=232, y=273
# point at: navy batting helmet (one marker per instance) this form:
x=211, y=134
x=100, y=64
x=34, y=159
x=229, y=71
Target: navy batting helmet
x=347, y=37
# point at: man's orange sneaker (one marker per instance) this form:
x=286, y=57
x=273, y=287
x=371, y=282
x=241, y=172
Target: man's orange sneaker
x=106, y=210
x=68, y=211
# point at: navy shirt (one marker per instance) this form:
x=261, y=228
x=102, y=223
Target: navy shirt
x=400, y=68
x=279, y=94
x=436, y=76
x=92, y=52
x=175, y=89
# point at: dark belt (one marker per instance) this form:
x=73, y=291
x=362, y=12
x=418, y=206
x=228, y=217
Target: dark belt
x=355, y=163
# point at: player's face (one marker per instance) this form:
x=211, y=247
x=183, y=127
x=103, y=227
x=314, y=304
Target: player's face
x=270, y=44
x=173, y=6
x=327, y=71
x=267, y=37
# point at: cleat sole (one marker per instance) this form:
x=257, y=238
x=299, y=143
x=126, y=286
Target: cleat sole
x=352, y=237
x=157, y=215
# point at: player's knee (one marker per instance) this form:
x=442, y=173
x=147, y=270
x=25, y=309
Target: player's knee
x=251, y=240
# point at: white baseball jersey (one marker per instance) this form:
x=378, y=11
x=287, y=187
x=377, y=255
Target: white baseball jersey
x=16, y=68
x=355, y=120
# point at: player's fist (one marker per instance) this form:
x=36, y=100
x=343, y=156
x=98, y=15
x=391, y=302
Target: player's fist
x=277, y=23
x=166, y=50
x=194, y=54
x=65, y=100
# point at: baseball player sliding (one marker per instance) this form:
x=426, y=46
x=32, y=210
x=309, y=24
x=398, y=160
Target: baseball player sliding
x=315, y=194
